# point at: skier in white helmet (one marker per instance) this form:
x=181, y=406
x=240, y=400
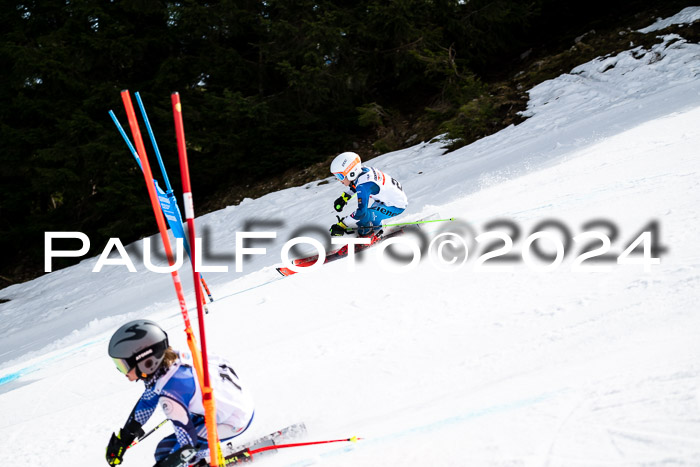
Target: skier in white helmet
x=379, y=196
x=141, y=351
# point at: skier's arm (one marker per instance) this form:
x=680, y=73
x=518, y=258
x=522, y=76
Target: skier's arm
x=143, y=409
x=120, y=441
x=175, y=400
x=364, y=191
x=179, y=415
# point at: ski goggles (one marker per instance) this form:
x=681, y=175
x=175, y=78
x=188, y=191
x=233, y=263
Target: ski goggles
x=156, y=351
x=340, y=176
x=124, y=365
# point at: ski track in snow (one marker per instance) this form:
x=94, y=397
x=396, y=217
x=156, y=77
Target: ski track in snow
x=430, y=367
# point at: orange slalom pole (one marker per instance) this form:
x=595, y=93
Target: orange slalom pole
x=208, y=400
x=162, y=227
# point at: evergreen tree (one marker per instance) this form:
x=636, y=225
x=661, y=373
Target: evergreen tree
x=267, y=86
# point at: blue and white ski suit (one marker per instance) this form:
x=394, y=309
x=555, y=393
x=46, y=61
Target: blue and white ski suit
x=379, y=197
x=176, y=389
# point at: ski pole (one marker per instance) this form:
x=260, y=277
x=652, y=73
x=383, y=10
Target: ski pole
x=138, y=440
x=419, y=222
x=353, y=439
x=400, y=224
x=247, y=453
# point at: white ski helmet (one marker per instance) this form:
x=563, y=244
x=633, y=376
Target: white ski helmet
x=138, y=344
x=346, y=165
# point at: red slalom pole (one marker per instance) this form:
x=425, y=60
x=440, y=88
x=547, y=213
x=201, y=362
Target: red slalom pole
x=207, y=391
x=162, y=227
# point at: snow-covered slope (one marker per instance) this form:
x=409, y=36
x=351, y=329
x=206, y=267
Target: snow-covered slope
x=432, y=366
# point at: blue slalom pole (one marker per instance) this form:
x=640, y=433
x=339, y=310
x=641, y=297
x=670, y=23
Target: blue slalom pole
x=153, y=141
x=169, y=189
x=126, y=139
x=168, y=204
x=173, y=208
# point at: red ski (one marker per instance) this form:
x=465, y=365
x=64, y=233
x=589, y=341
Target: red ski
x=337, y=254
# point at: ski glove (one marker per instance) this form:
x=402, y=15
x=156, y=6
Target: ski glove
x=180, y=458
x=119, y=443
x=341, y=202
x=339, y=229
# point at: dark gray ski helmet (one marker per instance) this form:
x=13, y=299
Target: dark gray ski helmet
x=140, y=343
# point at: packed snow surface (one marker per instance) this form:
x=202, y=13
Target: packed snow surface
x=685, y=16
x=488, y=363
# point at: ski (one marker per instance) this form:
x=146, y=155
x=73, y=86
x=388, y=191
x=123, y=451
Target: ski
x=343, y=252
x=337, y=254
x=241, y=453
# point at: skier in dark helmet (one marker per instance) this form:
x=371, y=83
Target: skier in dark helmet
x=141, y=351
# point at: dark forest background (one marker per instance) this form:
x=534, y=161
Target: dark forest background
x=270, y=89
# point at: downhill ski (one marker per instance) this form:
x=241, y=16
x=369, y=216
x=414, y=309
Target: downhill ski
x=236, y=454
x=337, y=254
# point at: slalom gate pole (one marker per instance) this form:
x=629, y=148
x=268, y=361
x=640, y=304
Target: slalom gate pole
x=126, y=139
x=147, y=122
x=168, y=187
x=170, y=196
x=208, y=400
x=206, y=288
x=162, y=228
x=150, y=432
